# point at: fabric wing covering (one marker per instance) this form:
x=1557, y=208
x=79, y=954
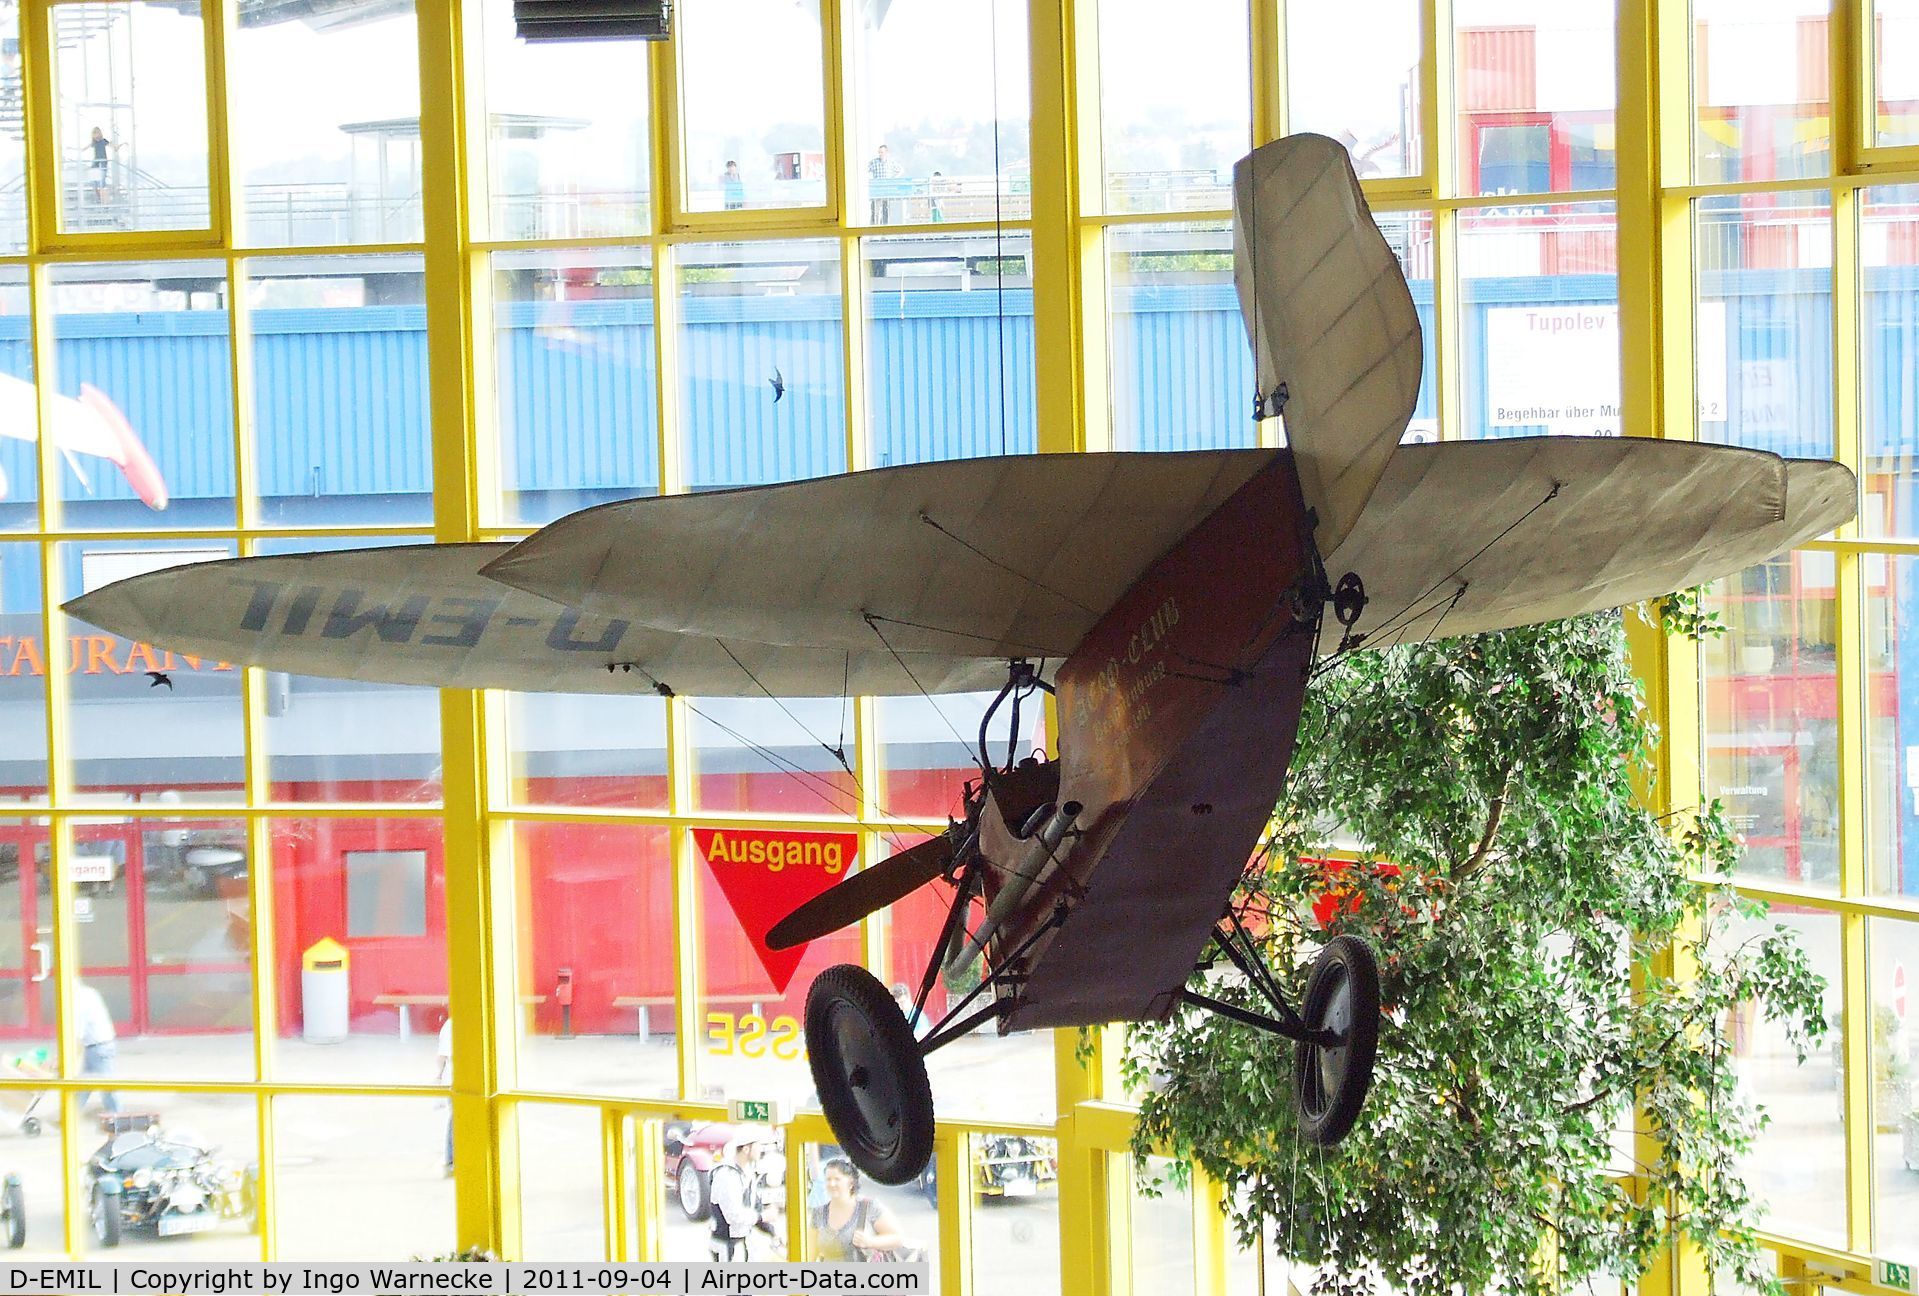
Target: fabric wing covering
x=1467, y=536
x=422, y=614
x=926, y=577
x=1329, y=315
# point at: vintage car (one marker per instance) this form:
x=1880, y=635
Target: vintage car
x=168, y=1181
x=1005, y=1166
x=693, y=1150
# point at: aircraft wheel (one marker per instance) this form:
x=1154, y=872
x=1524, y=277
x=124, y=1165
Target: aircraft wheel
x=1330, y=1081
x=870, y=1075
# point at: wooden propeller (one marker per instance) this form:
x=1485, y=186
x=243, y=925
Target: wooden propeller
x=863, y=893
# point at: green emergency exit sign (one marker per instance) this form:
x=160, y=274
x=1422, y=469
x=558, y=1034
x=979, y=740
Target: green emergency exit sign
x=1895, y=1274
x=756, y=1111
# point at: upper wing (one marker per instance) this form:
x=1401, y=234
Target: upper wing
x=1329, y=315
x=1538, y=528
x=1005, y=557
x=423, y=614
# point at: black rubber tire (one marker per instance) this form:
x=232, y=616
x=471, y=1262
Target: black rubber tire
x=1330, y=1082
x=13, y=1213
x=701, y=1183
x=107, y=1221
x=869, y=1073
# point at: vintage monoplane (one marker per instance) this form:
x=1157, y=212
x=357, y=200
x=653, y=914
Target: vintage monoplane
x=1175, y=604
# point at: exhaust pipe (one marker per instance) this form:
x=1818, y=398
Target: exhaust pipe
x=1036, y=864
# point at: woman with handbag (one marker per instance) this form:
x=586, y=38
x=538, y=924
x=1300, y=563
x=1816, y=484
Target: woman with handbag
x=852, y=1227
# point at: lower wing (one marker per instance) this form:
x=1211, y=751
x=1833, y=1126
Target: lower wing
x=1462, y=537
x=423, y=614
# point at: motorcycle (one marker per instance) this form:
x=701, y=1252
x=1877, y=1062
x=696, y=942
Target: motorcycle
x=146, y=1177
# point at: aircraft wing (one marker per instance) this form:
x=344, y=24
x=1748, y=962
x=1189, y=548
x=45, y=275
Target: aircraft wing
x=1631, y=519
x=423, y=614
x=1329, y=315
x=1016, y=556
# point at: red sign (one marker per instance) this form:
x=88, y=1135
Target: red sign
x=767, y=875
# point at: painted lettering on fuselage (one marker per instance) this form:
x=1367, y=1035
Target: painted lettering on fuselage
x=448, y=621
x=1136, y=668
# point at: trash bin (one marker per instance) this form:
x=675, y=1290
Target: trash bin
x=323, y=992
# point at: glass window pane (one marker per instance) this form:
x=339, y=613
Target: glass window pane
x=27, y=959
x=1760, y=77
x=1892, y=790
x=374, y=1018
x=218, y=1131
x=132, y=133
x=841, y=1201
x=1180, y=368
x=595, y=903
x=1410, y=235
x=13, y=145
x=752, y=91
x=752, y=1008
x=1539, y=293
x=164, y=933
x=344, y=740
x=1175, y=104
x=1895, y=27
x=1535, y=90
x=133, y=737
x=1016, y=1238
x=340, y=401
x=1364, y=94
x=366, y=1169
x=561, y=1211
x=23, y=677
x=765, y=756
x=567, y=147
x=311, y=106
x=949, y=346
x=693, y=1150
x=762, y=392
x=577, y=384
x=37, y=1165
x=1768, y=716
x=145, y=407
x=1893, y=951
x=385, y=892
x=19, y=449
x=1163, y=1258
x=1796, y=1168
x=943, y=102
x=1764, y=322
x=586, y=749
x=1888, y=360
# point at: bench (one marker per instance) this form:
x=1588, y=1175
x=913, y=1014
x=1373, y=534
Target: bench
x=645, y=1002
x=407, y=1002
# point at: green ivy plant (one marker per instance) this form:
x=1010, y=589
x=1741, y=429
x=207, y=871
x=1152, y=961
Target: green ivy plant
x=1527, y=927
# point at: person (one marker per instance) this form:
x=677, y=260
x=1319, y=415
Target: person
x=443, y=1074
x=735, y=1189
x=935, y=203
x=851, y=1226
x=733, y=186
x=100, y=145
x=878, y=171
x=98, y=1041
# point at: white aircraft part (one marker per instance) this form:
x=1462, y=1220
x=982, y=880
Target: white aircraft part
x=1329, y=316
x=422, y=614
x=1632, y=519
x=76, y=429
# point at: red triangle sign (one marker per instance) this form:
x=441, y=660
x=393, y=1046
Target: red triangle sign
x=766, y=875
